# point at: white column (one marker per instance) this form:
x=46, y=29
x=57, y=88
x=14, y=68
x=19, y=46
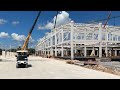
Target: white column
x=85, y=52
x=110, y=51
x=100, y=40
x=97, y=52
x=85, y=34
x=45, y=51
x=106, y=34
x=115, y=52
x=72, y=53
x=51, y=43
x=55, y=45
x=55, y=51
x=75, y=48
x=93, y=49
x=51, y=51
x=106, y=50
x=62, y=51
x=100, y=50
x=45, y=48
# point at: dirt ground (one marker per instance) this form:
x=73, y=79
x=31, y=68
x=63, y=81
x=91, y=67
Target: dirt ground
x=45, y=68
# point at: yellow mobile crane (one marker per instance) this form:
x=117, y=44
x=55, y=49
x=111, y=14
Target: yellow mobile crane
x=22, y=54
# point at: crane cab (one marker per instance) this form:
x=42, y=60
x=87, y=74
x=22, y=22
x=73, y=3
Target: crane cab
x=22, y=58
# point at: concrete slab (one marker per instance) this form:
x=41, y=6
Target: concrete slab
x=45, y=68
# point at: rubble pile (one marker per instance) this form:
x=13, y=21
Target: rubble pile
x=70, y=62
x=95, y=67
x=103, y=69
x=105, y=60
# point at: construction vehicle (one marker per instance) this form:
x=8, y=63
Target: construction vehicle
x=22, y=60
x=22, y=55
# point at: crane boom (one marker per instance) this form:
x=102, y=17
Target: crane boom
x=107, y=19
x=29, y=34
x=55, y=20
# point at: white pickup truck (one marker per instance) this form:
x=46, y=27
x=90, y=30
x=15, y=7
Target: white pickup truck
x=22, y=58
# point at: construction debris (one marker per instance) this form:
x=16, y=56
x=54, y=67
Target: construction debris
x=105, y=59
x=94, y=66
x=70, y=62
x=90, y=62
x=103, y=69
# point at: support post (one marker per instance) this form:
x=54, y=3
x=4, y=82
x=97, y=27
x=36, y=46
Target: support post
x=62, y=50
x=85, y=52
x=55, y=45
x=106, y=50
x=45, y=51
x=51, y=51
x=115, y=52
x=97, y=51
x=75, y=48
x=100, y=40
x=110, y=52
x=72, y=52
x=100, y=50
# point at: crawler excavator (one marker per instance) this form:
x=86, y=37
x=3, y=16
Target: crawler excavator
x=22, y=55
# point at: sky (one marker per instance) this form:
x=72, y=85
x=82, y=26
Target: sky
x=15, y=25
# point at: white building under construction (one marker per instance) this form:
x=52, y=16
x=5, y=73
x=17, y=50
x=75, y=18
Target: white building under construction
x=80, y=40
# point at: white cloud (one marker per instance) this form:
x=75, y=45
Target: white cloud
x=21, y=37
x=18, y=37
x=62, y=18
x=15, y=22
x=3, y=21
x=31, y=40
x=49, y=25
x=4, y=35
x=40, y=27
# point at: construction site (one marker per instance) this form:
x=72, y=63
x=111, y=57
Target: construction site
x=70, y=51
x=75, y=40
